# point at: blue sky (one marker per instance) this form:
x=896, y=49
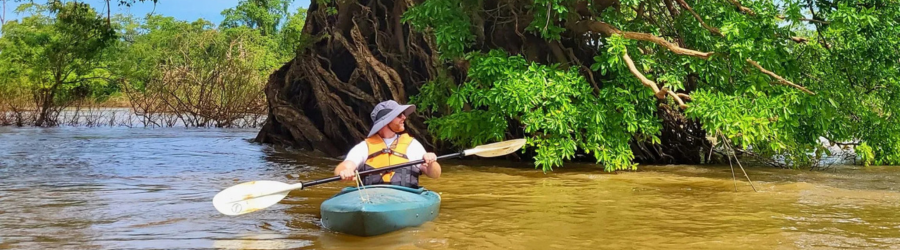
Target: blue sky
x=188, y=10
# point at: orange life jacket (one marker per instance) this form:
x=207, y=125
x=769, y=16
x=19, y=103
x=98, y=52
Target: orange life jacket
x=381, y=155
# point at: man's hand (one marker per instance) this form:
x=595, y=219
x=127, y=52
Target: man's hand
x=431, y=167
x=348, y=175
x=346, y=170
x=429, y=159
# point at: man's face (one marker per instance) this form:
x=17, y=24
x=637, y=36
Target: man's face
x=397, y=125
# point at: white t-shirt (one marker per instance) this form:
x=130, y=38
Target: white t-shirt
x=360, y=152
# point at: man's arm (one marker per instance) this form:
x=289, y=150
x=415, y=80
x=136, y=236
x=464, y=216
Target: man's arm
x=346, y=169
x=431, y=167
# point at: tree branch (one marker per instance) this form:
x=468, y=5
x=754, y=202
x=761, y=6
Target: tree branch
x=108, y=16
x=779, y=78
x=818, y=30
x=671, y=8
x=660, y=94
x=806, y=19
x=647, y=82
x=677, y=98
x=3, y=15
x=714, y=30
x=742, y=8
x=799, y=39
x=88, y=78
x=608, y=30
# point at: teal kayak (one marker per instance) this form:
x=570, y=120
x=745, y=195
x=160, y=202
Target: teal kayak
x=389, y=208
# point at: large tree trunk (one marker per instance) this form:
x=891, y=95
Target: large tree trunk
x=363, y=54
x=360, y=56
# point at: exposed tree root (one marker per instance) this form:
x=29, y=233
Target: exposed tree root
x=321, y=100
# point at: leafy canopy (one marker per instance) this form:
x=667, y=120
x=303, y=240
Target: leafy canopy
x=774, y=77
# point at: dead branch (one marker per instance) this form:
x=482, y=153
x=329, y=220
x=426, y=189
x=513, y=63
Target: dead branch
x=727, y=144
x=779, y=78
x=608, y=30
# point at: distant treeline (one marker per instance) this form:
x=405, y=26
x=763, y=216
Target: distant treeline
x=67, y=56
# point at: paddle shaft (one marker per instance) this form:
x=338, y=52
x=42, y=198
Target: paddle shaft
x=377, y=170
x=249, y=192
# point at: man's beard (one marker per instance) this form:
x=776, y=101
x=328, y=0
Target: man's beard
x=398, y=128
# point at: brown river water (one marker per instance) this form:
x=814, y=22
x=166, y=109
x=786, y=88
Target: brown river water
x=137, y=188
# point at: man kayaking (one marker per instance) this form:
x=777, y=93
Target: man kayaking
x=388, y=144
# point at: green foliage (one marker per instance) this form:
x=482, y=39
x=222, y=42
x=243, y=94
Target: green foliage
x=433, y=95
x=291, y=36
x=556, y=107
x=266, y=16
x=57, y=57
x=546, y=14
x=273, y=20
x=865, y=153
x=448, y=22
x=64, y=52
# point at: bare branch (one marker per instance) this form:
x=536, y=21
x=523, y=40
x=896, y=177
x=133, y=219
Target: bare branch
x=714, y=30
x=647, y=82
x=608, y=30
x=806, y=20
x=677, y=98
x=742, y=8
x=814, y=21
x=660, y=94
x=779, y=78
x=799, y=39
x=108, y=15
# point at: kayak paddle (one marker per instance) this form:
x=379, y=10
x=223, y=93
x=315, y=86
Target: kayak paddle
x=252, y=196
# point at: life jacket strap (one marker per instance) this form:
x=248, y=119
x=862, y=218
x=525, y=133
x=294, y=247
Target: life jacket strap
x=389, y=150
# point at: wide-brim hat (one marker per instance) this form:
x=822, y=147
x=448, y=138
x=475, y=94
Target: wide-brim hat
x=385, y=112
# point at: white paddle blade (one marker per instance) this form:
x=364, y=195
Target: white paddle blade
x=250, y=197
x=497, y=148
